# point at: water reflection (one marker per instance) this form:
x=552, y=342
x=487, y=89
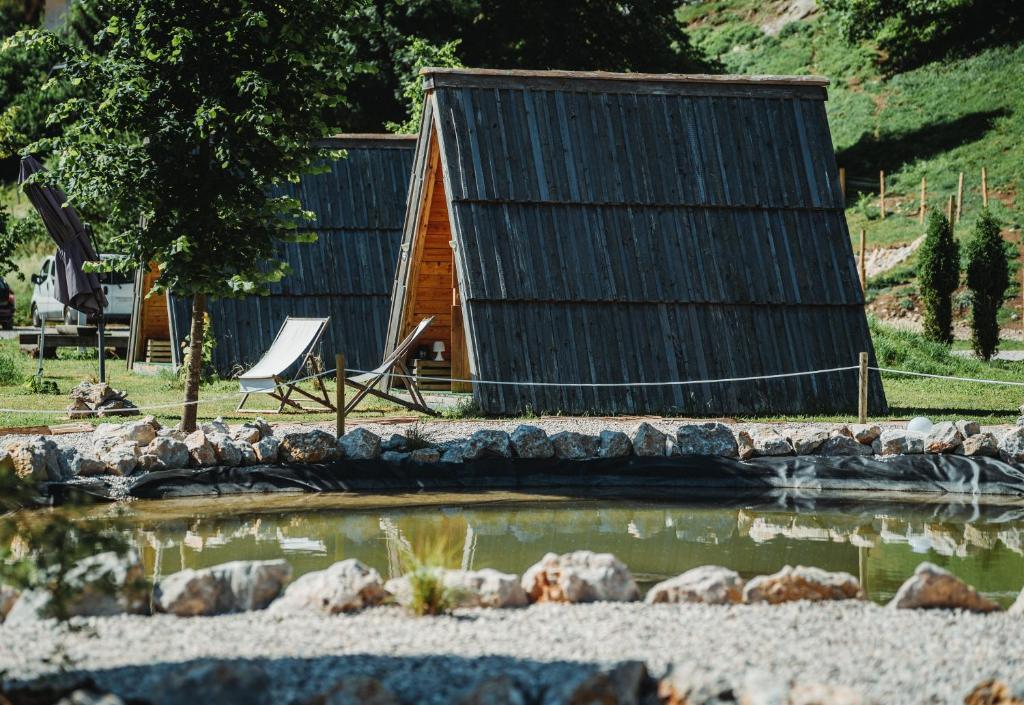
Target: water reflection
x=878, y=541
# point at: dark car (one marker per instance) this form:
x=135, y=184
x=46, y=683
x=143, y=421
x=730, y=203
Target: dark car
x=6, y=305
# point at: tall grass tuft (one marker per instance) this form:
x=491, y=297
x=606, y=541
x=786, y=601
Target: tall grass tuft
x=423, y=566
x=10, y=367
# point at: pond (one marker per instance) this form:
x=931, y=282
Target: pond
x=879, y=541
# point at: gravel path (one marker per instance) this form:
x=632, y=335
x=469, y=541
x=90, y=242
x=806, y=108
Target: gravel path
x=893, y=657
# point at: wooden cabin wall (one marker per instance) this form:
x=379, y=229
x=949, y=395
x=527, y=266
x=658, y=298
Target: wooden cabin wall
x=155, y=324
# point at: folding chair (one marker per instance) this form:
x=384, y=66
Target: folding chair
x=294, y=343
x=366, y=383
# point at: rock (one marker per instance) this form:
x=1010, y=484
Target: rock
x=141, y=432
x=968, y=428
x=943, y=438
x=684, y=685
x=343, y=587
x=8, y=596
x=75, y=463
x=248, y=452
x=227, y=449
x=356, y=690
x=865, y=433
x=102, y=585
x=247, y=433
x=472, y=588
x=221, y=682
x=931, y=587
x=710, y=584
x=6, y=461
x=36, y=460
x=980, y=444
x=819, y=694
x=1018, y=606
x=169, y=453
x=614, y=444
x=487, y=443
x=840, y=446
x=238, y=586
x=807, y=441
x=531, y=442
x=707, y=439
x=92, y=394
x=452, y=454
x=425, y=455
x=647, y=440
x=215, y=426
x=200, y=450
x=122, y=459
x=360, y=444
x=1011, y=445
x=993, y=692
x=768, y=442
x=900, y=442
x=570, y=445
x=580, y=576
x=393, y=457
x=88, y=697
x=627, y=683
x=319, y=446
x=495, y=690
x=396, y=442
x=745, y=446
x=266, y=450
x=802, y=583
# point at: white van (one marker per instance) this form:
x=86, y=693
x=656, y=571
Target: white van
x=117, y=287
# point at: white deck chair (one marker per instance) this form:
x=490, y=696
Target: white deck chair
x=367, y=382
x=294, y=343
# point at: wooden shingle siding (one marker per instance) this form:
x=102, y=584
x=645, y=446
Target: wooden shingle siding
x=346, y=274
x=644, y=229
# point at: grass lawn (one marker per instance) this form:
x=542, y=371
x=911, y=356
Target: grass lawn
x=908, y=396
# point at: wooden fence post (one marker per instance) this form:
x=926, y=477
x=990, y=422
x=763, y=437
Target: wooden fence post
x=881, y=193
x=862, y=264
x=842, y=183
x=984, y=187
x=339, y=392
x=959, y=196
x=949, y=210
x=862, y=396
x=924, y=198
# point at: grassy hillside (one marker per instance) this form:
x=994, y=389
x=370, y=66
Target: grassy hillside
x=932, y=122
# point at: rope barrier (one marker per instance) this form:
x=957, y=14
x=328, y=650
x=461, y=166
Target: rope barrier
x=948, y=377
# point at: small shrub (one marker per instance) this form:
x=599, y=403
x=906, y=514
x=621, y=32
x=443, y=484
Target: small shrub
x=424, y=566
x=465, y=408
x=416, y=438
x=938, y=275
x=988, y=276
x=37, y=385
x=77, y=353
x=10, y=368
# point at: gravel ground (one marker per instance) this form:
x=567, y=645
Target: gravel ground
x=891, y=656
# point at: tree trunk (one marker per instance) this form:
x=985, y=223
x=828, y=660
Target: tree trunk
x=194, y=364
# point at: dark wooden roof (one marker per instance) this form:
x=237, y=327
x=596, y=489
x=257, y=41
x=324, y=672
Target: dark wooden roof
x=620, y=227
x=346, y=274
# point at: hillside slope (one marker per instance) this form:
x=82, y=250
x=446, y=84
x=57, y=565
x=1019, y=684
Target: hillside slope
x=932, y=122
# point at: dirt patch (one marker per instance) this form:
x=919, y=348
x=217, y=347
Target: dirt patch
x=882, y=259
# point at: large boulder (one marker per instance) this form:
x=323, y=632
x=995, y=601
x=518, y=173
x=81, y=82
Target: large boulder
x=36, y=460
x=346, y=586
x=802, y=583
x=494, y=690
x=580, y=576
x=710, y=584
x=216, y=426
x=251, y=432
x=934, y=587
x=267, y=449
x=317, y=446
x=865, y=433
x=768, y=442
x=425, y=456
x=626, y=683
x=984, y=444
x=201, y=453
x=1011, y=445
x=228, y=450
x=471, y=588
x=744, y=445
x=968, y=428
x=807, y=441
x=74, y=462
x=122, y=459
x=614, y=444
x=238, y=586
x=487, y=443
x=221, y=682
x=707, y=439
x=943, y=438
x=357, y=444
x=102, y=585
x=838, y=446
x=356, y=690
x=531, y=442
x=167, y=453
x=900, y=442
x=139, y=432
x=570, y=445
x=647, y=440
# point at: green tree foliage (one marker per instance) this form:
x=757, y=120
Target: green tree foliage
x=938, y=275
x=988, y=276
x=198, y=113
x=909, y=33
x=511, y=34
x=419, y=54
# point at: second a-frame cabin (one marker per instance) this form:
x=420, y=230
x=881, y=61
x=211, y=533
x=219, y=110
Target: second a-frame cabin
x=577, y=229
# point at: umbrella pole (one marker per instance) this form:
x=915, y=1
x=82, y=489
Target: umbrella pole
x=42, y=345
x=101, y=324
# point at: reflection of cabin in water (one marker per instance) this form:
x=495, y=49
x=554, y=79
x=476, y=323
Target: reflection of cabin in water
x=346, y=274
x=594, y=228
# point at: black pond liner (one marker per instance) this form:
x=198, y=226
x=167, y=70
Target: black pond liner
x=679, y=478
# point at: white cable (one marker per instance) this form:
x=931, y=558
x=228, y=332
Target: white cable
x=954, y=379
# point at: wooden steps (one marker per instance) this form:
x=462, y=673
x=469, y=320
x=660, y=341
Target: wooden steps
x=433, y=368
x=158, y=351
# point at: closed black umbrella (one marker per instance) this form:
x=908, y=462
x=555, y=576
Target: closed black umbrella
x=74, y=287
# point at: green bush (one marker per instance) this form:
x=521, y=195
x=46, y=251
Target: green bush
x=988, y=276
x=938, y=275
x=10, y=368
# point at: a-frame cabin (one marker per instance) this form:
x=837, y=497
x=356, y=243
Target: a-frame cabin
x=589, y=229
